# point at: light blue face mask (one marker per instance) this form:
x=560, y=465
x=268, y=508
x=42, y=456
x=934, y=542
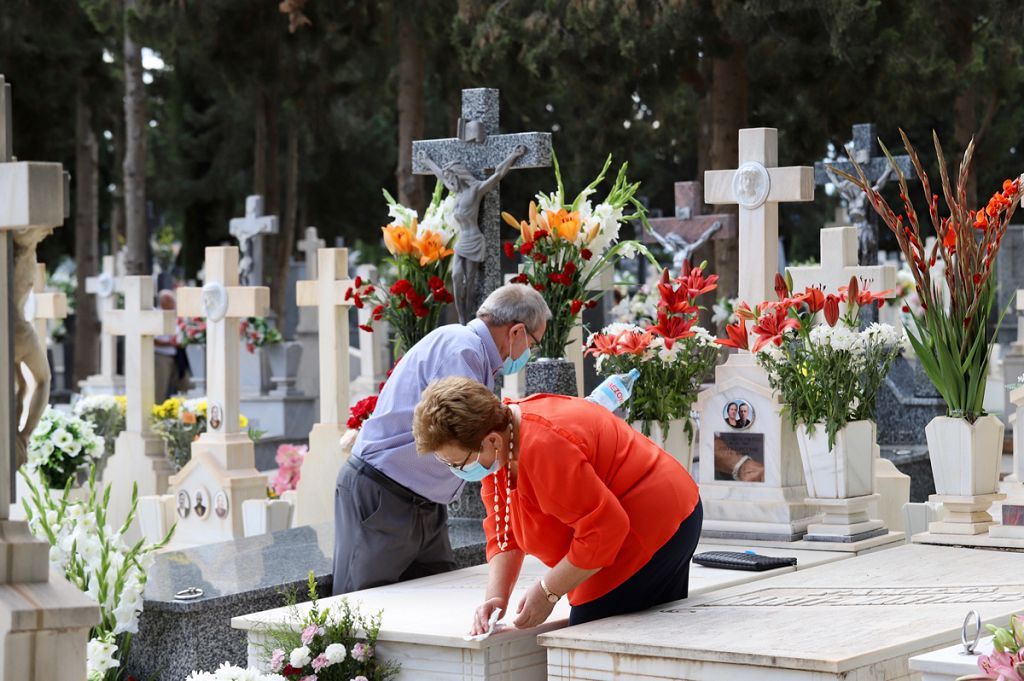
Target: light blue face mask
x=476, y=471
x=514, y=366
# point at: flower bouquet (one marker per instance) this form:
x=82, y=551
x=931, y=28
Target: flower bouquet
x=289, y=461
x=640, y=308
x=179, y=422
x=106, y=414
x=828, y=374
x=60, y=445
x=673, y=356
x=95, y=558
x=166, y=247
x=257, y=332
x=191, y=331
x=327, y=645
x=951, y=336
x=1006, y=662
x=421, y=256
x=566, y=245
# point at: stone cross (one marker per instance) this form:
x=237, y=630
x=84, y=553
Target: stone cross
x=373, y=359
x=43, y=305
x=315, y=492
x=327, y=294
x=682, y=232
x=839, y=263
x=104, y=285
x=250, y=230
x=309, y=247
x=480, y=148
x=758, y=185
x=224, y=304
x=865, y=150
x=139, y=322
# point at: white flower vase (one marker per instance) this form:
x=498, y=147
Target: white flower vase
x=847, y=469
x=965, y=456
x=675, y=441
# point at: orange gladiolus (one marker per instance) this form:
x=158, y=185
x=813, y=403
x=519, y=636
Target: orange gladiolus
x=398, y=239
x=431, y=248
x=564, y=223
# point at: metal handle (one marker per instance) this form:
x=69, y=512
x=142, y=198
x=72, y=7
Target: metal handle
x=969, y=646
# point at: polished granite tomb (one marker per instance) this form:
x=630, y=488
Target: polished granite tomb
x=239, y=577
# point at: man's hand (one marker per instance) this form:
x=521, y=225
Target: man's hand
x=534, y=609
x=483, y=614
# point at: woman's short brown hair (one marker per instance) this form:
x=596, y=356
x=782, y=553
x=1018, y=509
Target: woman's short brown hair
x=457, y=410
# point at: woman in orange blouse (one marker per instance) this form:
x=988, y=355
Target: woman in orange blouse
x=615, y=518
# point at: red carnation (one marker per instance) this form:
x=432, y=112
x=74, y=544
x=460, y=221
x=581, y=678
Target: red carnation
x=435, y=283
x=366, y=327
x=510, y=249
x=575, y=307
x=586, y=254
x=526, y=247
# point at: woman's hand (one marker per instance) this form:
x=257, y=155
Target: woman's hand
x=483, y=614
x=534, y=609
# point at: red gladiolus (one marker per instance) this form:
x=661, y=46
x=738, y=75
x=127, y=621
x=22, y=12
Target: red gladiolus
x=831, y=308
x=737, y=336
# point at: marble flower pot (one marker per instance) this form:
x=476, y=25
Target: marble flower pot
x=675, y=441
x=846, y=470
x=554, y=376
x=965, y=456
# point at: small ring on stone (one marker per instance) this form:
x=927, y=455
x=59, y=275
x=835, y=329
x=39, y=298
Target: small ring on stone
x=189, y=594
x=969, y=646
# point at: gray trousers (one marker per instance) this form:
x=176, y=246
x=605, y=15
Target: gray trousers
x=381, y=537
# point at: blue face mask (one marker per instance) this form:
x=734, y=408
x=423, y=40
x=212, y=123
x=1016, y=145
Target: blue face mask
x=476, y=471
x=514, y=366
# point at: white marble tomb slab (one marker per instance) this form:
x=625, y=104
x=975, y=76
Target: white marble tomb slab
x=950, y=663
x=856, y=620
x=425, y=619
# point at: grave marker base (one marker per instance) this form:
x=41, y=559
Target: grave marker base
x=966, y=515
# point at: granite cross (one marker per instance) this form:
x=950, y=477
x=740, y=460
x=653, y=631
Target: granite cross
x=104, y=285
x=758, y=185
x=224, y=304
x=249, y=230
x=839, y=264
x=682, y=232
x=43, y=306
x=479, y=148
x=309, y=247
x=326, y=293
x=139, y=322
x=865, y=150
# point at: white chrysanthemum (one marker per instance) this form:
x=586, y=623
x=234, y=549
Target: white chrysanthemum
x=882, y=334
x=703, y=336
x=299, y=657
x=773, y=352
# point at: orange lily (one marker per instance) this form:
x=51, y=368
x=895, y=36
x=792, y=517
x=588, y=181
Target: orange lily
x=431, y=248
x=633, y=342
x=564, y=223
x=399, y=239
x=603, y=344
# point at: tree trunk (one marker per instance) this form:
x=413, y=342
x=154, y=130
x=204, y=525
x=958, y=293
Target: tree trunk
x=410, y=111
x=87, y=236
x=259, y=148
x=284, y=242
x=117, y=196
x=965, y=113
x=727, y=105
x=136, y=260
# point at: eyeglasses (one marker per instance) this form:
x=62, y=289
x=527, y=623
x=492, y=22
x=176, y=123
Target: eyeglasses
x=459, y=467
x=530, y=334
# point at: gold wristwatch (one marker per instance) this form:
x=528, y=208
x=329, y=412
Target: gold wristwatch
x=551, y=596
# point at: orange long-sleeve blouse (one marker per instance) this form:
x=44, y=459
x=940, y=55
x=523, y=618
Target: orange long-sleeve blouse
x=591, y=488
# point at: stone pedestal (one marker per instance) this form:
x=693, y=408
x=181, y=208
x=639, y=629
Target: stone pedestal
x=315, y=491
x=846, y=520
x=555, y=376
x=966, y=515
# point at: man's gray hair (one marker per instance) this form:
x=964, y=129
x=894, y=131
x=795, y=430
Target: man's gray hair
x=512, y=304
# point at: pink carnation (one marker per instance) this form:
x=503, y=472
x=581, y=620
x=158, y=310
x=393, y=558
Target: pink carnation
x=276, y=660
x=361, y=652
x=309, y=633
x=319, y=662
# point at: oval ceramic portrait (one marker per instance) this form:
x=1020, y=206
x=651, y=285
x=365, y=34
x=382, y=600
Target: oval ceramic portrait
x=220, y=504
x=201, y=503
x=184, y=507
x=738, y=414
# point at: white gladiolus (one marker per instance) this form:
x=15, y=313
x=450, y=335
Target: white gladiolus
x=99, y=655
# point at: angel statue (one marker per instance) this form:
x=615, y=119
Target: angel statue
x=29, y=349
x=470, y=247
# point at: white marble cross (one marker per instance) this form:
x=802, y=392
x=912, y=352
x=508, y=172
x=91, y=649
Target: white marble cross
x=327, y=294
x=104, y=285
x=309, y=247
x=249, y=230
x=43, y=305
x=139, y=322
x=758, y=186
x=223, y=303
x=373, y=351
x=839, y=262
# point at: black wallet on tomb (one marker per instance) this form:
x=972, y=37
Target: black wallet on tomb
x=729, y=560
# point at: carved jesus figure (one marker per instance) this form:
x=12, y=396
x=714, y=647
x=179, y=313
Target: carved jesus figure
x=470, y=248
x=29, y=349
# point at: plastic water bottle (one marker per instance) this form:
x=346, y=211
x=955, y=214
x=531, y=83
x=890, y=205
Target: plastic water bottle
x=615, y=390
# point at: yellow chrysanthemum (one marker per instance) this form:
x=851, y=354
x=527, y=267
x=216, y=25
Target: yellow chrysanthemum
x=243, y=422
x=122, y=403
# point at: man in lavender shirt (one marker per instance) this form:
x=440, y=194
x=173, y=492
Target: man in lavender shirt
x=390, y=503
